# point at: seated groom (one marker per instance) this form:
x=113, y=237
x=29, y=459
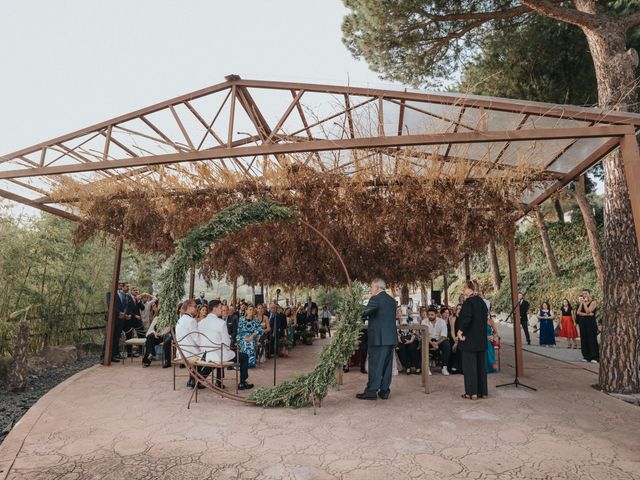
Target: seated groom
x=382, y=340
x=214, y=336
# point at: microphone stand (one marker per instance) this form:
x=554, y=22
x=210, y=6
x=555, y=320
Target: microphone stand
x=516, y=381
x=275, y=336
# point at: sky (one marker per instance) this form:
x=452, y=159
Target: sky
x=67, y=64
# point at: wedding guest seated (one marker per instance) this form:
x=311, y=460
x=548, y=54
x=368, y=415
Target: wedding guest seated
x=187, y=333
x=156, y=337
x=407, y=348
x=248, y=331
x=215, y=342
x=438, y=337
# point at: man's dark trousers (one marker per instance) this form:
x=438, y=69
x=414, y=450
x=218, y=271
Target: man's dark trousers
x=525, y=326
x=380, y=370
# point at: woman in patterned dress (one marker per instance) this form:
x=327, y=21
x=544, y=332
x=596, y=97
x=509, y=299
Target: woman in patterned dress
x=248, y=332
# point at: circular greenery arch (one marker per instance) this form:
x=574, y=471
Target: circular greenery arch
x=306, y=388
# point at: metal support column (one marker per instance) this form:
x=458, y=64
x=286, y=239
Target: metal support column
x=513, y=279
x=192, y=282
x=115, y=278
x=631, y=159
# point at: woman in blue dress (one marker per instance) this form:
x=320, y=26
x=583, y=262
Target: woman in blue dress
x=249, y=330
x=545, y=320
x=492, y=332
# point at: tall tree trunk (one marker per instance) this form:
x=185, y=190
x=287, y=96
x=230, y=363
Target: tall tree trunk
x=404, y=295
x=558, y=208
x=424, y=298
x=546, y=242
x=493, y=263
x=580, y=195
x=619, y=352
x=18, y=375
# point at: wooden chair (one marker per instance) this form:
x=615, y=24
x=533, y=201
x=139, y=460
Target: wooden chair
x=176, y=360
x=138, y=342
x=191, y=365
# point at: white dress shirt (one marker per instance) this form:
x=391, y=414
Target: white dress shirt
x=437, y=329
x=213, y=333
x=187, y=336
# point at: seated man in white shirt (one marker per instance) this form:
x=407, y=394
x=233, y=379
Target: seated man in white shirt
x=215, y=343
x=438, y=335
x=187, y=334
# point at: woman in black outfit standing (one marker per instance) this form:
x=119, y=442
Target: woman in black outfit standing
x=586, y=317
x=472, y=336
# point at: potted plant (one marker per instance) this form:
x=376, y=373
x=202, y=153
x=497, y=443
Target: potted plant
x=323, y=332
x=307, y=338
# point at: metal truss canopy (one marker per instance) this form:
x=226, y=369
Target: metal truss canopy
x=245, y=127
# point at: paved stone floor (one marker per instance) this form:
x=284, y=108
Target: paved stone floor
x=125, y=422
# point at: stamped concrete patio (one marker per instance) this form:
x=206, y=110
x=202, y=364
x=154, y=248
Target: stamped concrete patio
x=125, y=422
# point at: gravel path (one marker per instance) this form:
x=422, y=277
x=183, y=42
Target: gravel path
x=14, y=404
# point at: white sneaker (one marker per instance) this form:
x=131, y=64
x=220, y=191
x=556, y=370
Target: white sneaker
x=445, y=371
x=594, y=361
x=429, y=372
x=584, y=360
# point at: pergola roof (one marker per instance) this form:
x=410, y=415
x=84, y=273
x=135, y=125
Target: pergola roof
x=247, y=126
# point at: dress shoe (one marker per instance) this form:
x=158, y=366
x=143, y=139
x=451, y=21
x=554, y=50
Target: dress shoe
x=362, y=396
x=166, y=365
x=245, y=386
x=383, y=396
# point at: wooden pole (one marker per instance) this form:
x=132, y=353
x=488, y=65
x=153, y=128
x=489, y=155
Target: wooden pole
x=446, y=289
x=631, y=159
x=192, y=282
x=115, y=278
x=513, y=279
x=467, y=267
x=234, y=294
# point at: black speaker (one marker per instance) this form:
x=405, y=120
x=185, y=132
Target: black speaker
x=258, y=298
x=435, y=295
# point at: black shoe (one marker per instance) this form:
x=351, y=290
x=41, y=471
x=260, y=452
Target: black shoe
x=166, y=365
x=201, y=386
x=345, y=369
x=191, y=383
x=362, y=370
x=383, y=396
x=245, y=386
x=182, y=365
x=115, y=360
x=362, y=396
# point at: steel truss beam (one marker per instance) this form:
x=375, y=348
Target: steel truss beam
x=327, y=145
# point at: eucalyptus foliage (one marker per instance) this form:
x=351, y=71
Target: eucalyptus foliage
x=194, y=246
x=301, y=390
x=191, y=249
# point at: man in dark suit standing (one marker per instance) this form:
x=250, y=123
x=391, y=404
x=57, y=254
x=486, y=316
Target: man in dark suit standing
x=119, y=316
x=524, y=316
x=382, y=340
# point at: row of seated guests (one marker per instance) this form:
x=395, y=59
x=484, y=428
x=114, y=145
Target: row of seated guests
x=442, y=325
x=203, y=333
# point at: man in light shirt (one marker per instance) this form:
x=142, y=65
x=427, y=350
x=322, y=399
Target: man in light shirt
x=187, y=334
x=215, y=343
x=438, y=336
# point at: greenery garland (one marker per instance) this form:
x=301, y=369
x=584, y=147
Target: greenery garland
x=194, y=246
x=301, y=390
